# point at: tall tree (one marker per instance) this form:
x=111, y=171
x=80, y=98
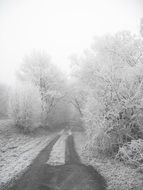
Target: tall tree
x=112, y=71
x=39, y=70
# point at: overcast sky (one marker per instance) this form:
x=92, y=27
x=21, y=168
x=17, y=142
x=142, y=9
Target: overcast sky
x=59, y=27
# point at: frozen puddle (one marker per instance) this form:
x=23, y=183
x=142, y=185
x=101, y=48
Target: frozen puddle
x=57, y=155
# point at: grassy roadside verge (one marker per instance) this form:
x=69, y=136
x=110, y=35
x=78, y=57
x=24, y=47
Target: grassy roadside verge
x=17, y=151
x=118, y=176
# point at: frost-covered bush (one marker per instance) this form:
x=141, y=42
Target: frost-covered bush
x=25, y=107
x=98, y=141
x=131, y=152
x=112, y=73
x=99, y=145
x=106, y=134
x=126, y=125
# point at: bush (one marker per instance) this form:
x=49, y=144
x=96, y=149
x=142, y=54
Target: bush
x=25, y=107
x=131, y=152
x=98, y=141
x=106, y=134
x=99, y=146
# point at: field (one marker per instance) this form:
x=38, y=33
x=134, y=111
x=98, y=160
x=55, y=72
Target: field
x=18, y=150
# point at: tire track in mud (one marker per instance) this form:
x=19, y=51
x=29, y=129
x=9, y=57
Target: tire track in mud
x=28, y=179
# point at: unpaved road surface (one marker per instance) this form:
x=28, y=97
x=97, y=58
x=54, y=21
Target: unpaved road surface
x=28, y=180
x=72, y=175
x=57, y=155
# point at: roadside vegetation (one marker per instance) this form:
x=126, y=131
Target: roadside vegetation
x=31, y=113
x=111, y=74
x=39, y=91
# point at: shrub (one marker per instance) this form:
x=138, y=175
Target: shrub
x=131, y=152
x=98, y=141
x=25, y=107
x=106, y=134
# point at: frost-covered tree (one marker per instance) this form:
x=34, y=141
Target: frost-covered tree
x=112, y=73
x=25, y=107
x=38, y=69
x=76, y=96
x=108, y=67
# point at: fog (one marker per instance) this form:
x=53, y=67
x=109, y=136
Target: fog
x=61, y=28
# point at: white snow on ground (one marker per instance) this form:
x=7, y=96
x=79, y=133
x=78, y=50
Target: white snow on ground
x=57, y=155
x=17, y=151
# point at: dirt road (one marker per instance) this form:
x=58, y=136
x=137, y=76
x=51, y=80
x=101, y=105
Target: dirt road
x=28, y=180
x=72, y=175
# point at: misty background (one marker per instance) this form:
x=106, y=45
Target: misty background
x=73, y=67
x=61, y=28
